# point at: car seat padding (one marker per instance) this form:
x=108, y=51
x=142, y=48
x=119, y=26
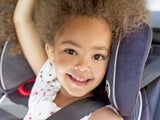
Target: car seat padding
x=125, y=69
x=14, y=70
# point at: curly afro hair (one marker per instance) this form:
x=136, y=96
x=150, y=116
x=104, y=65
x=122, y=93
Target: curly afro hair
x=123, y=16
x=7, y=30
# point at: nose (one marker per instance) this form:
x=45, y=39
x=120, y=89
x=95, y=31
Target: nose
x=83, y=65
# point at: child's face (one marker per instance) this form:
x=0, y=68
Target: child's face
x=80, y=55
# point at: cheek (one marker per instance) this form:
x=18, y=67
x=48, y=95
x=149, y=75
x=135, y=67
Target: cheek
x=99, y=71
x=63, y=63
x=61, y=66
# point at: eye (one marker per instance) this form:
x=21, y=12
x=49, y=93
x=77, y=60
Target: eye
x=70, y=51
x=98, y=57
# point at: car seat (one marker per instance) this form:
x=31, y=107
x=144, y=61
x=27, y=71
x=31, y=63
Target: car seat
x=153, y=72
x=123, y=81
x=125, y=72
x=134, y=89
x=14, y=75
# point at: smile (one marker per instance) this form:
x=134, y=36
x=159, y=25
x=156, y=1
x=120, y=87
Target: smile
x=78, y=80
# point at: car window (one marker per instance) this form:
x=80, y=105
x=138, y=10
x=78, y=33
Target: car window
x=153, y=5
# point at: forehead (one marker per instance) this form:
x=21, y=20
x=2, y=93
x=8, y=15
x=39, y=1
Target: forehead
x=85, y=22
x=94, y=31
x=85, y=26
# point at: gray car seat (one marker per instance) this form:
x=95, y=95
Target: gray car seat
x=125, y=72
x=124, y=77
x=135, y=88
x=153, y=73
x=14, y=73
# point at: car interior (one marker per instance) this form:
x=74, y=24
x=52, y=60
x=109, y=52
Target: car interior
x=133, y=83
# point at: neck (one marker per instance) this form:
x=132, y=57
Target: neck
x=63, y=98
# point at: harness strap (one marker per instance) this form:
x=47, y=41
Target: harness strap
x=151, y=72
x=82, y=107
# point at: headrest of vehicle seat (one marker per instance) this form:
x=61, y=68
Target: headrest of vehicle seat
x=14, y=70
x=125, y=69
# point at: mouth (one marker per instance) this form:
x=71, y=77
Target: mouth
x=78, y=80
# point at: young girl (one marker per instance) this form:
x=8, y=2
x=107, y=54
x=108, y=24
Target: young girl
x=78, y=35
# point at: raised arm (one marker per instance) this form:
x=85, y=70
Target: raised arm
x=28, y=35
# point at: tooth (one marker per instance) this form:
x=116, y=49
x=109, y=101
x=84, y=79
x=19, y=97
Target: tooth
x=78, y=79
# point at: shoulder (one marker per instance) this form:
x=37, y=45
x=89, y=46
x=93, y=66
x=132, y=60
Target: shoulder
x=105, y=113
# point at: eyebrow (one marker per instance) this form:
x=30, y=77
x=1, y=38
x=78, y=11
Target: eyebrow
x=70, y=42
x=101, y=48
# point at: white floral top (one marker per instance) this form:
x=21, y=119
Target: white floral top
x=44, y=91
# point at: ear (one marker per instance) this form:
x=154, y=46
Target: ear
x=50, y=52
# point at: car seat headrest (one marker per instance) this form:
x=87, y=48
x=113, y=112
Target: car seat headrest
x=125, y=69
x=14, y=70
